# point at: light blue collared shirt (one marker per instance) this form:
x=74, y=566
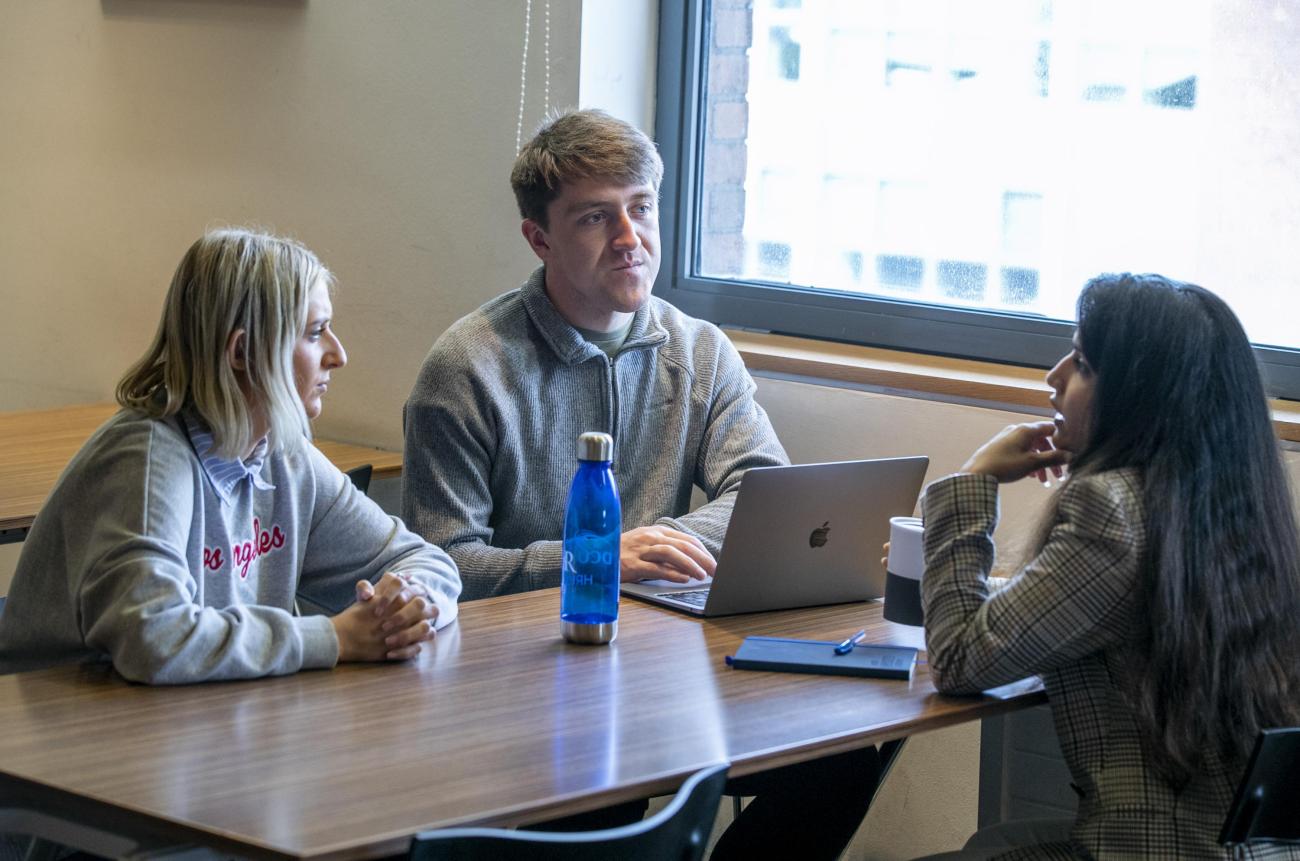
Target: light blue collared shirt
x=224, y=474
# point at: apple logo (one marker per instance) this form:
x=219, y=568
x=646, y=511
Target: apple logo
x=818, y=537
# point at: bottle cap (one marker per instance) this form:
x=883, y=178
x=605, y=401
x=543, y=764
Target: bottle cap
x=595, y=446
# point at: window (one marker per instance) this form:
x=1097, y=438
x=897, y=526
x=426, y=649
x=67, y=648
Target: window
x=944, y=175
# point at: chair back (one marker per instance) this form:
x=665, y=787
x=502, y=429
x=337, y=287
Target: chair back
x=36, y=835
x=679, y=831
x=1267, y=803
x=360, y=476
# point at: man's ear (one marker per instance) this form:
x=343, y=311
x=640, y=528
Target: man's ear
x=535, y=235
x=237, y=350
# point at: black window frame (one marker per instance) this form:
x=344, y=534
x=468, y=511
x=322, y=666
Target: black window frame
x=996, y=336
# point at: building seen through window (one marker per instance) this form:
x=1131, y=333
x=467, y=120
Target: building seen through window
x=993, y=155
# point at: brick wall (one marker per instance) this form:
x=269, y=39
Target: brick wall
x=722, y=248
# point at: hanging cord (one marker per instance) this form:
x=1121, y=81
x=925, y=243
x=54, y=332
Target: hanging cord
x=523, y=75
x=546, y=47
x=523, y=68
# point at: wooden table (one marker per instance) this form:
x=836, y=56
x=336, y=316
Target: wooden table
x=498, y=722
x=36, y=445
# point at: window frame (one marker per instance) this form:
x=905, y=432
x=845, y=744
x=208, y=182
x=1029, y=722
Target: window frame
x=997, y=336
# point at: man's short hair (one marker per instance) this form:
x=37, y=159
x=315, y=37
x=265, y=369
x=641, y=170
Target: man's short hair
x=581, y=145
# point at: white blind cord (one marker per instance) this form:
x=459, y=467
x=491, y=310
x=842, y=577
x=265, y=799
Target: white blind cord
x=523, y=75
x=523, y=68
x=546, y=48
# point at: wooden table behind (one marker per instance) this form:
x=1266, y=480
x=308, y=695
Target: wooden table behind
x=36, y=445
x=499, y=722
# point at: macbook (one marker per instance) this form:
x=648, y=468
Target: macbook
x=800, y=536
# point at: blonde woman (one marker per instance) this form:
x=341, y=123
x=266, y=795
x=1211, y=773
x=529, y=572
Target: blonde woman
x=184, y=536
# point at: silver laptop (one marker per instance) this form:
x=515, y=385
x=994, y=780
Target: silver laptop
x=801, y=536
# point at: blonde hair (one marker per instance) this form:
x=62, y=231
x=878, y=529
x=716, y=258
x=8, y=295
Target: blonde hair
x=230, y=279
x=580, y=145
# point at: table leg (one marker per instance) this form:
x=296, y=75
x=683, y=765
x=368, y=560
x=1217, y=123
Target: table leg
x=888, y=756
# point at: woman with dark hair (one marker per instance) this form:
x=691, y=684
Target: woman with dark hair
x=1160, y=604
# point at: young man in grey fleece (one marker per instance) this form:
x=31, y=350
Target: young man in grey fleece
x=493, y=418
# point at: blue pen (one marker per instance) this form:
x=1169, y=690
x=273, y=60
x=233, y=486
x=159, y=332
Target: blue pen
x=847, y=646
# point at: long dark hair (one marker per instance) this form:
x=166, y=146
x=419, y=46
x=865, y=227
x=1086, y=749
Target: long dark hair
x=1179, y=396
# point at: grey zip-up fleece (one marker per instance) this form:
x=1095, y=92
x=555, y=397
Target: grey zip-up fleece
x=493, y=421
x=135, y=559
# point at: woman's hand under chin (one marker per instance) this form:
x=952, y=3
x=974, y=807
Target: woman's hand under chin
x=1018, y=450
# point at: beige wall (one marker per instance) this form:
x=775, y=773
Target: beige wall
x=380, y=134
x=620, y=39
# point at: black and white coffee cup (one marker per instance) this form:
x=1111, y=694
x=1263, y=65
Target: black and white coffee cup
x=903, y=571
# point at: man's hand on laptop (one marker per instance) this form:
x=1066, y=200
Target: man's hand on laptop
x=661, y=553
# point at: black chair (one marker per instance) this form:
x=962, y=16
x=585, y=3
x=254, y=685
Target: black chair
x=39, y=836
x=1267, y=804
x=679, y=831
x=361, y=476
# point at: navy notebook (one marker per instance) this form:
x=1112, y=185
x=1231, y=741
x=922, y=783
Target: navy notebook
x=818, y=656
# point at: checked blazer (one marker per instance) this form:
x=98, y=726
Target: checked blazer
x=1069, y=616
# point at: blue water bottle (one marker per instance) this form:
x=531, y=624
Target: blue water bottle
x=593, y=528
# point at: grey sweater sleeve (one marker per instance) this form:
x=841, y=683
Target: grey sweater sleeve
x=739, y=436
x=352, y=539
x=450, y=432
x=137, y=597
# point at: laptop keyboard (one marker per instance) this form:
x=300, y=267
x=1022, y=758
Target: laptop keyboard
x=693, y=597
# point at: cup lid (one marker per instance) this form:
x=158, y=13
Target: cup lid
x=906, y=547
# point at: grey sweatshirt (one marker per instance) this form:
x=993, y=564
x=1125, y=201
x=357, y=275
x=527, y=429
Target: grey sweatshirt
x=134, y=558
x=493, y=421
